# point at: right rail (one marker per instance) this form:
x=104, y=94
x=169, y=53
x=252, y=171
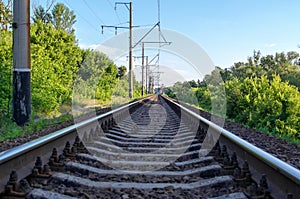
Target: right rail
x=283, y=179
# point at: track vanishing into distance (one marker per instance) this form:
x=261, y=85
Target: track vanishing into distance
x=152, y=148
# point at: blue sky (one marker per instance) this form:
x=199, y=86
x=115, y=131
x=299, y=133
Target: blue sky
x=228, y=30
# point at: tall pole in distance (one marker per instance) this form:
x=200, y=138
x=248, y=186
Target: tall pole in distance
x=143, y=90
x=130, y=74
x=146, y=75
x=130, y=53
x=21, y=62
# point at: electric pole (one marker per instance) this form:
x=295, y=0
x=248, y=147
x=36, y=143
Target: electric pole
x=146, y=79
x=143, y=55
x=21, y=62
x=143, y=69
x=130, y=73
x=130, y=76
x=131, y=46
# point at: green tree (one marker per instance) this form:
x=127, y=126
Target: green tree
x=266, y=104
x=91, y=71
x=122, y=70
x=258, y=66
x=107, y=83
x=121, y=88
x=193, y=83
x=5, y=15
x=63, y=18
x=5, y=71
x=55, y=62
x=169, y=92
x=226, y=74
x=262, y=93
x=204, y=98
x=39, y=13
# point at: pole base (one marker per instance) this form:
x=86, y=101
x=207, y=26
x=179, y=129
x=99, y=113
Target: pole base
x=21, y=97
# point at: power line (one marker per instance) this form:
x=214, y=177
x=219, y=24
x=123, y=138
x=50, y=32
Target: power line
x=130, y=74
x=114, y=8
x=118, y=16
x=146, y=25
x=122, y=23
x=110, y=4
x=91, y=25
x=93, y=11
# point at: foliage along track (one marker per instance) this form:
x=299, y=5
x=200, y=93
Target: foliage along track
x=129, y=161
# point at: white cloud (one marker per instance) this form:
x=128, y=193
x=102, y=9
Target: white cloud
x=272, y=45
x=112, y=53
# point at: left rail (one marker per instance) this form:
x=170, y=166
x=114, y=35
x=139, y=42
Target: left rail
x=23, y=157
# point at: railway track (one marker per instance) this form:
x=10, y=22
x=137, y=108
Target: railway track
x=153, y=148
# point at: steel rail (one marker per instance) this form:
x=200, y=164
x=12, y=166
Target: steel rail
x=277, y=165
x=17, y=158
x=271, y=163
x=19, y=150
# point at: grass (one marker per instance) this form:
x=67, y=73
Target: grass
x=287, y=138
x=290, y=139
x=9, y=129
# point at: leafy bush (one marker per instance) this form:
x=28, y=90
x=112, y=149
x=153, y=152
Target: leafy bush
x=5, y=71
x=261, y=103
x=55, y=61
